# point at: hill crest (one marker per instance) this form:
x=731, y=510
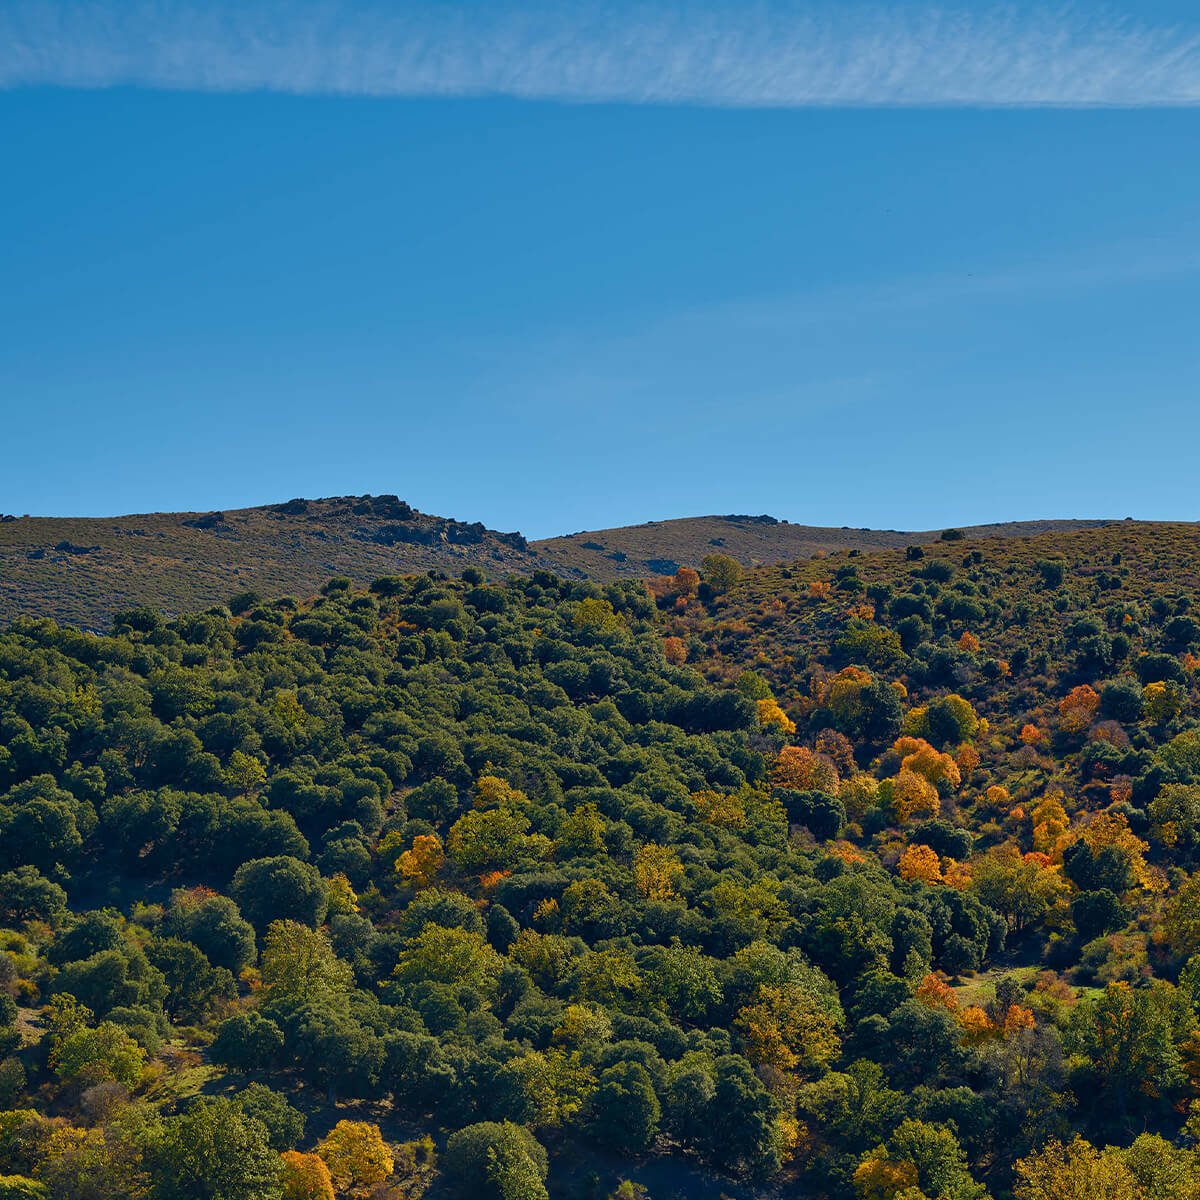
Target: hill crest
x=84, y=569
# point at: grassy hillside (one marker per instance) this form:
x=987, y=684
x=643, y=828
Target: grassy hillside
x=872, y=875
x=83, y=570
x=662, y=547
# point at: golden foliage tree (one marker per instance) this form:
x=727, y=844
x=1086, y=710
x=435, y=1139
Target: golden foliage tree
x=771, y=716
x=786, y=1028
x=921, y=863
x=1050, y=825
x=657, y=871
x=356, y=1155
x=880, y=1178
x=918, y=756
x=936, y=993
x=1075, y=1172
x=911, y=795
x=723, y=809
x=803, y=770
x=420, y=864
x=305, y=1177
x=1162, y=701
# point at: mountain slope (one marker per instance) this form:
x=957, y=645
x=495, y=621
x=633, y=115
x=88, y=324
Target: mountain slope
x=871, y=868
x=661, y=547
x=85, y=569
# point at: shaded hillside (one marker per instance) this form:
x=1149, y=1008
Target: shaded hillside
x=662, y=547
x=85, y=569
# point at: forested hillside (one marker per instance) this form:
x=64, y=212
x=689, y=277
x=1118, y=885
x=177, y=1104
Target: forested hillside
x=872, y=876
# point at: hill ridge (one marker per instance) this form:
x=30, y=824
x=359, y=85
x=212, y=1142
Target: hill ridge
x=84, y=569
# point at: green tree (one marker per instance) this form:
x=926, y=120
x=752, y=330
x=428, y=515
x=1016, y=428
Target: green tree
x=193, y=984
x=283, y=1123
x=215, y=925
x=939, y=1159
x=1130, y=1038
x=624, y=1111
x=90, y=1056
x=1181, y=924
x=299, y=961
x=451, y=956
x=215, y=1151
x=27, y=895
x=248, y=1041
x=739, y=1120
x=20, y=1187
x=720, y=571
x=496, y=1161
x=279, y=889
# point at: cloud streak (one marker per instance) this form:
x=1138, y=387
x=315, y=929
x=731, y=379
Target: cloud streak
x=774, y=55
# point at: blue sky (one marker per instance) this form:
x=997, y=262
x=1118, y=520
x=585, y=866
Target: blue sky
x=866, y=264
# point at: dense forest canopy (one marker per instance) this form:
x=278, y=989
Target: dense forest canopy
x=870, y=876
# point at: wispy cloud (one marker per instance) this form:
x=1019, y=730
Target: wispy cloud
x=781, y=54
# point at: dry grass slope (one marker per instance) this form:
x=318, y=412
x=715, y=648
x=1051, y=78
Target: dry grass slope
x=83, y=570
x=661, y=547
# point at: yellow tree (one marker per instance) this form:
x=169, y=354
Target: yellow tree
x=787, y=1028
x=724, y=809
x=976, y=1025
x=880, y=1178
x=1110, y=831
x=1018, y=1018
x=771, y=716
x=1162, y=701
x=493, y=792
x=305, y=1177
x=1050, y=825
x=657, y=871
x=800, y=769
x=1075, y=1172
x=356, y=1155
x=420, y=865
x=843, y=695
x=956, y=875
x=911, y=795
x=343, y=899
x=918, y=756
x=921, y=863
